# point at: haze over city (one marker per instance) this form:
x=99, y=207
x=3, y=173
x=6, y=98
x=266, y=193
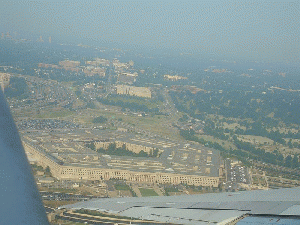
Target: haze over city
x=256, y=30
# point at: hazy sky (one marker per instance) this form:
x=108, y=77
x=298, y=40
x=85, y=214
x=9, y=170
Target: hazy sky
x=266, y=30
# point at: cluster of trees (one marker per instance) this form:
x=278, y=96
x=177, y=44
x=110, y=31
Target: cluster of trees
x=255, y=128
x=184, y=118
x=100, y=119
x=61, y=75
x=91, y=105
x=133, y=103
x=91, y=146
x=245, y=151
x=17, y=88
x=122, y=151
x=215, y=131
x=239, y=103
x=258, y=129
x=291, y=145
x=113, y=150
x=190, y=135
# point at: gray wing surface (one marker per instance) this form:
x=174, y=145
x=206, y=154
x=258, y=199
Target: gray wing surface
x=20, y=202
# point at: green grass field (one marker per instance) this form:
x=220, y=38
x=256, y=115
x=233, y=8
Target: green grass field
x=55, y=114
x=122, y=187
x=147, y=192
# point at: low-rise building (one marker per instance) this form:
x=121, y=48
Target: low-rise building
x=174, y=78
x=4, y=80
x=134, y=91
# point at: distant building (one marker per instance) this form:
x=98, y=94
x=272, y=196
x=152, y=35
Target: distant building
x=92, y=71
x=127, y=78
x=144, y=92
x=4, y=80
x=40, y=39
x=70, y=65
x=8, y=35
x=131, y=63
x=45, y=65
x=118, y=64
x=174, y=78
x=122, y=129
x=98, y=62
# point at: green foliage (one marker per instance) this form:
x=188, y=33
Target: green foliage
x=184, y=118
x=296, y=145
x=155, y=152
x=132, y=103
x=256, y=129
x=91, y=146
x=99, y=119
x=125, y=187
x=91, y=105
x=292, y=162
x=147, y=192
x=78, y=93
x=133, y=193
x=245, y=151
x=290, y=143
x=17, y=88
x=122, y=187
x=122, y=151
x=142, y=154
x=47, y=171
x=242, y=104
x=37, y=167
x=171, y=189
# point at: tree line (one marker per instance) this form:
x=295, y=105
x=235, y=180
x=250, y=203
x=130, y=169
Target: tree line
x=245, y=151
x=122, y=151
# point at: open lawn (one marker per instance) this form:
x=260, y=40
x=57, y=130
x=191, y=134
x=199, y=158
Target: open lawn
x=157, y=124
x=225, y=144
x=54, y=114
x=147, y=192
x=122, y=187
x=55, y=204
x=255, y=139
x=233, y=126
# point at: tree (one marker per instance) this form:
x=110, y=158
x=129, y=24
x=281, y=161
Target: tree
x=155, y=152
x=288, y=161
x=290, y=143
x=142, y=154
x=91, y=146
x=295, y=162
x=47, y=170
x=99, y=119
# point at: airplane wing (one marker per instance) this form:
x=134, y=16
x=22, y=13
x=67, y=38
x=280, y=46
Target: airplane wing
x=19, y=198
x=214, y=208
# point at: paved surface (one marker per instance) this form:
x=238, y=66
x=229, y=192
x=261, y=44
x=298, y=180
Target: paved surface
x=136, y=190
x=158, y=191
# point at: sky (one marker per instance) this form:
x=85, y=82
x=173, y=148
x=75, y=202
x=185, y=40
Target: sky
x=262, y=30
